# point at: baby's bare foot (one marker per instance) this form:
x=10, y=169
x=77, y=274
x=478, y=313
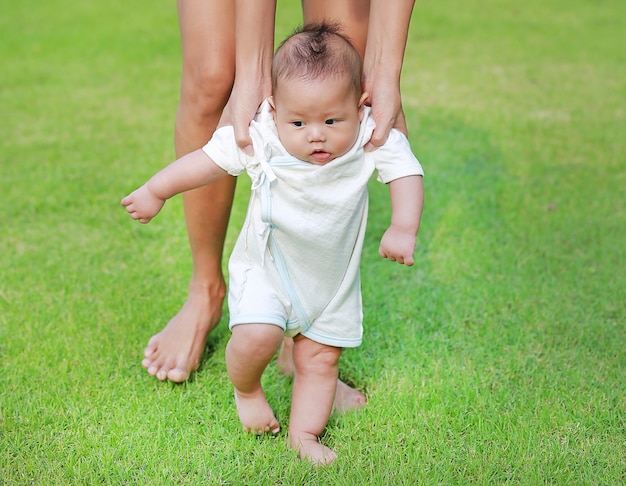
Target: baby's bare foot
x=175, y=352
x=348, y=398
x=255, y=413
x=309, y=448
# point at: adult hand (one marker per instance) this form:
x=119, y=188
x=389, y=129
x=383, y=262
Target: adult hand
x=244, y=101
x=254, y=47
x=382, y=64
x=384, y=98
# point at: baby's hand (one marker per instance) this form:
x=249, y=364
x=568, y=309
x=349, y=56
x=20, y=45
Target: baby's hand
x=398, y=246
x=142, y=205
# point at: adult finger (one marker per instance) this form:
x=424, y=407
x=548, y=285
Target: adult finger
x=242, y=136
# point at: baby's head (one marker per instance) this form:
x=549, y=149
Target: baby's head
x=316, y=87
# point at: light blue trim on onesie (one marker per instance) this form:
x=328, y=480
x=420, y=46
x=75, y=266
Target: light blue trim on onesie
x=336, y=342
x=281, y=265
x=286, y=161
x=303, y=322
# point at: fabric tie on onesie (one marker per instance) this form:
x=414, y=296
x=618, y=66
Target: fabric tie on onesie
x=266, y=173
x=262, y=183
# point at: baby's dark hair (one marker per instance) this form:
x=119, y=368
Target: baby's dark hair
x=317, y=50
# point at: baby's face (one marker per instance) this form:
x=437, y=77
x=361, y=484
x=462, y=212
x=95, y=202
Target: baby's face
x=317, y=120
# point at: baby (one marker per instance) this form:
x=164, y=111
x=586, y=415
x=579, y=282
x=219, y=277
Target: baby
x=294, y=270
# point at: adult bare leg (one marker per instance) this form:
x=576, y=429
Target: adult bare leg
x=353, y=15
x=208, y=52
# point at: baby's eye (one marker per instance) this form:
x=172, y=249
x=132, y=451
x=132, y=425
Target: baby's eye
x=331, y=122
x=297, y=124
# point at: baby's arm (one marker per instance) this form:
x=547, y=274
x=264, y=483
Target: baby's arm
x=407, y=200
x=189, y=172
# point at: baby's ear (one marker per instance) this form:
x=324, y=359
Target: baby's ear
x=272, y=103
x=364, y=100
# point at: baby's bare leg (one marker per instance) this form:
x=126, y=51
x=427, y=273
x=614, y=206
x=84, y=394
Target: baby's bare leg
x=312, y=398
x=248, y=352
x=346, y=397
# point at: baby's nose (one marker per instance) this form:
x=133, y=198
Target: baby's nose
x=316, y=135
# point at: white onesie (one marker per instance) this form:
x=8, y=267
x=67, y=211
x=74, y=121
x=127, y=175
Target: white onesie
x=296, y=260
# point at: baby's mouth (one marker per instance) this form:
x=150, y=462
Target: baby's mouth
x=320, y=155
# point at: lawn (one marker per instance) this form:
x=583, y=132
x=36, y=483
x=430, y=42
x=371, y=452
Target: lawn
x=499, y=358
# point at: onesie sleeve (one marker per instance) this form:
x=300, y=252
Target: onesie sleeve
x=223, y=150
x=394, y=159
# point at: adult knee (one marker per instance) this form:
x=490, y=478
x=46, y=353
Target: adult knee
x=205, y=89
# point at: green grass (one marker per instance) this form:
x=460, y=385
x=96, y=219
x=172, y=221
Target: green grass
x=500, y=358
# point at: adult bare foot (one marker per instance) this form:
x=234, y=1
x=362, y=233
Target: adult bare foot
x=348, y=398
x=175, y=352
x=255, y=413
x=285, y=358
x=309, y=448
